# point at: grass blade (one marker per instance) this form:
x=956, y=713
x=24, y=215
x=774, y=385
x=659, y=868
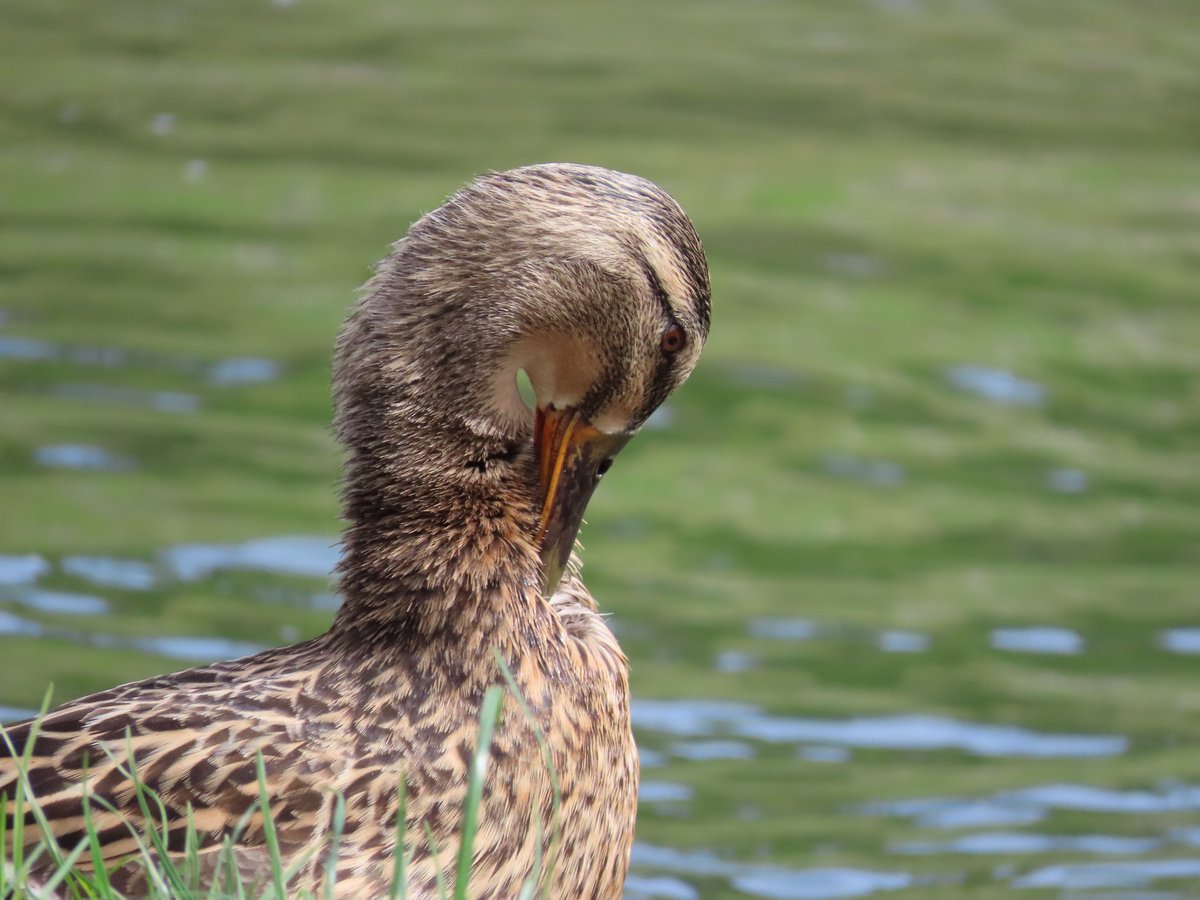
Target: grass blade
x=23, y=787
x=488, y=715
x=100, y=870
x=548, y=761
x=191, y=852
x=335, y=844
x=64, y=870
x=437, y=863
x=399, y=889
x=158, y=865
x=3, y=843
x=269, y=834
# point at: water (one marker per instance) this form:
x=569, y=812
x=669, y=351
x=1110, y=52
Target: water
x=1181, y=640
x=708, y=750
x=640, y=886
x=997, y=386
x=853, y=265
x=1187, y=836
x=1067, y=481
x=22, y=569
x=784, y=629
x=195, y=170
x=735, y=661
x=230, y=372
x=81, y=456
x=15, y=714
x=1038, y=639
x=797, y=629
x=876, y=472
x=244, y=370
x=963, y=813
x=314, y=557
x=823, y=753
x=26, y=349
x=650, y=791
x=128, y=574
x=767, y=881
x=1131, y=873
x=891, y=732
x=191, y=649
x=903, y=642
x=17, y=626
x=1004, y=843
x=188, y=649
x=952, y=245
x=162, y=124
x=162, y=401
x=61, y=602
x=661, y=419
x=680, y=738
x=758, y=376
x=818, y=884
x=1033, y=803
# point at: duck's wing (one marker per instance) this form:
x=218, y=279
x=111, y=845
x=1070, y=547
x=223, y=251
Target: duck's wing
x=193, y=740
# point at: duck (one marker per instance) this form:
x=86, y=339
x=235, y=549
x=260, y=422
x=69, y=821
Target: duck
x=462, y=503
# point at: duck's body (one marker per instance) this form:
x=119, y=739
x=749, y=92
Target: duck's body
x=460, y=506
x=336, y=715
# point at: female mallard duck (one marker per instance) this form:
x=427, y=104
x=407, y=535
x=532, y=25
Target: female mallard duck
x=461, y=504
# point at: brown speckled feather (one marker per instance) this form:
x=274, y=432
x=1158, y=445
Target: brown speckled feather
x=441, y=572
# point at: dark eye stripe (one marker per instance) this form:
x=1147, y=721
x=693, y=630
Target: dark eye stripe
x=660, y=292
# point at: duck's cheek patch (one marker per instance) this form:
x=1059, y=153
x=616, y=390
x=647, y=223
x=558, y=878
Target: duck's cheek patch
x=560, y=369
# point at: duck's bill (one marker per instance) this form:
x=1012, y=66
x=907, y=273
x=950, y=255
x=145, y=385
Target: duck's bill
x=570, y=453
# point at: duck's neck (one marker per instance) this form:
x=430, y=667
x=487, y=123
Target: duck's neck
x=439, y=494
x=433, y=548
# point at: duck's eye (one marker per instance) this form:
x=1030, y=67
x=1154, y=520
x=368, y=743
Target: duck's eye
x=673, y=339
x=604, y=467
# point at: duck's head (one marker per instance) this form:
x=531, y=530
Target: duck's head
x=591, y=282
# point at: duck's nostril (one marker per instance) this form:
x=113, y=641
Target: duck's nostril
x=604, y=467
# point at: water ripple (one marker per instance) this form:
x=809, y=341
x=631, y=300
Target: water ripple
x=997, y=386
x=314, y=557
x=22, y=569
x=694, y=718
x=710, y=750
x=1131, y=873
x=1027, y=805
x=130, y=574
x=1180, y=640
x=638, y=887
x=244, y=370
x=81, y=456
x=1038, y=639
x=61, y=602
x=162, y=401
x=770, y=881
x=1005, y=843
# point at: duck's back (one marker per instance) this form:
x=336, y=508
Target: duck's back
x=327, y=723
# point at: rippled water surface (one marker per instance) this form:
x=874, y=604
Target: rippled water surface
x=908, y=573
x=851, y=779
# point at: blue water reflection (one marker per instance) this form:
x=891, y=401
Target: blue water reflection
x=893, y=732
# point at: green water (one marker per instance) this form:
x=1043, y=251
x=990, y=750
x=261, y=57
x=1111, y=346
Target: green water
x=833, y=523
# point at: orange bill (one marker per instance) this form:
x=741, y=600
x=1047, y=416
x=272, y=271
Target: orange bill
x=570, y=454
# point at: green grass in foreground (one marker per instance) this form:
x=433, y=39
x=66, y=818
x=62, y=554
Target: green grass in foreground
x=35, y=866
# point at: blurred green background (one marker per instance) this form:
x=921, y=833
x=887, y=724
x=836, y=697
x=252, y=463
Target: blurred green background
x=924, y=525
